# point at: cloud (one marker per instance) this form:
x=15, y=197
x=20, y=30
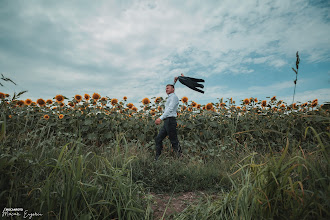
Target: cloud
x=133, y=48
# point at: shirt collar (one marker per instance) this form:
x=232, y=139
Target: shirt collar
x=171, y=94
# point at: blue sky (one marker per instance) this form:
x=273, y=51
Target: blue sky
x=133, y=48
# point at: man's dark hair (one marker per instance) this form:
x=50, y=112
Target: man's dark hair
x=170, y=85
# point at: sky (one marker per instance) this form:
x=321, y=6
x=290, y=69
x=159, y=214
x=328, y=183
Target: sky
x=131, y=48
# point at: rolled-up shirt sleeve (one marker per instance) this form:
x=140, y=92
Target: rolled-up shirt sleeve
x=170, y=108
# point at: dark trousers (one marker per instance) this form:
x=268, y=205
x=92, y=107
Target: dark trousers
x=169, y=128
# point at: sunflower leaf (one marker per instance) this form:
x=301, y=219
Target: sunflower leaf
x=294, y=70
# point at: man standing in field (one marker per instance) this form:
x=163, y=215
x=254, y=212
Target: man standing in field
x=169, y=118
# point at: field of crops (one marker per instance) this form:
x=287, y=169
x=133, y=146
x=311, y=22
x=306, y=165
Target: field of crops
x=91, y=157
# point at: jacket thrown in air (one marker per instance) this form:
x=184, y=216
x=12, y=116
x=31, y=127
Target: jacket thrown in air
x=192, y=83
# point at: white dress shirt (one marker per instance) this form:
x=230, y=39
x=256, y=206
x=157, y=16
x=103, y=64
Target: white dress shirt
x=171, y=106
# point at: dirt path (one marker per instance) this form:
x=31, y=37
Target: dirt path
x=176, y=204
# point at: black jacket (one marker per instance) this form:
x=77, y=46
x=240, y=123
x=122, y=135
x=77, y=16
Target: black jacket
x=191, y=83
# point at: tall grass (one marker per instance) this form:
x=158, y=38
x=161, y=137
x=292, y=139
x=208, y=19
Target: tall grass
x=279, y=186
x=70, y=183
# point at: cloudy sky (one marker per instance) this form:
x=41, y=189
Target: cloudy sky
x=134, y=48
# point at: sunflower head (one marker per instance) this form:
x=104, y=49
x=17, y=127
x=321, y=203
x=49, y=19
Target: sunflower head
x=20, y=103
x=263, y=103
x=255, y=100
x=184, y=99
x=193, y=104
x=87, y=97
x=62, y=104
x=198, y=106
x=145, y=101
x=134, y=109
x=125, y=98
x=314, y=103
x=2, y=95
x=71, y=104
x=160, y=108
x=96, y=96
x=247, y=101
x=78, y=98
x=46, y=117
x=59, y=98
x=273, y=98
x=49, y=101
x=209, y=106
x=114, y=101
x=158, y=99
x=28, y=102
x=61, y=116
x=130, y=105
x=41, y=102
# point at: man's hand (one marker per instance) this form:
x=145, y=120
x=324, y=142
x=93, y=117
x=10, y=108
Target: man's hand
x=158, y=121
x=175, y=79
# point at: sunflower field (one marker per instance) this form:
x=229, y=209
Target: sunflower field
x=91, y=157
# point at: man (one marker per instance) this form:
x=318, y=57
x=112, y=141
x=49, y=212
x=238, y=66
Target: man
x=169, y=118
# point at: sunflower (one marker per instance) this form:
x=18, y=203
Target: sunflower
x=33, y=104
x=255, y=100
x=145, y=101
x=304, y=104
x=231, y=100
x=130, y=105
x=10, y=116
x=28, y=102
x=62, y=104
x=193, y=104
x=238, y=107
x=49, y=101
x=2, y=95
x=41, y=102
x=184, y=99
x=59, y=98
x=314, y=103
x=71, y=104
x=114, y=101
x=152, y=112
x=96, y=96
x=7, y=95
x=222, y=104
x=78, y=98
x=61, y=116
x=273, y=98
x=46, y=117
x=209, y=106
x=198, y=106
x=103, y=99
x=87, y=97
x=294, y=105
x=160, y=108
x=125, y=98
x=20, y=103
x=263, y=103
x=203, y=107
x=247, y=101
x=158, y=99
x=183, y=108
x=282, y=106
x=134, y=108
